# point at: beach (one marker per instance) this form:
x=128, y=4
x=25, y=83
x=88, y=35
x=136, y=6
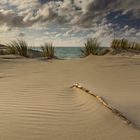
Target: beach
x=38, y=103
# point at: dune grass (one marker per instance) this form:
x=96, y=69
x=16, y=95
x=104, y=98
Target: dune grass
x=48, y=50
x=19, y=47
x=91, y=47
x=125, y=44
x=4, y=52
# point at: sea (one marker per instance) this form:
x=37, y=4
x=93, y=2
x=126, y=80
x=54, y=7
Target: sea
x=65, y=52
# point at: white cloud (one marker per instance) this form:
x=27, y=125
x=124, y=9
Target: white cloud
x=4, y=28
x=138, y=34
x=75, y=18
x=77, y=12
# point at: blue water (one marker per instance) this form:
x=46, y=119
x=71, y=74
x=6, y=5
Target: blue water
x=68, y=52
x=65, y=52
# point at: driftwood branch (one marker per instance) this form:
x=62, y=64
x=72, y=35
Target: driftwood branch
x=103, y=102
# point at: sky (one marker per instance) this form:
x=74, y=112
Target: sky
x=69, y=22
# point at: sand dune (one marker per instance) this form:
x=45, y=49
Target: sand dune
x=37, y=103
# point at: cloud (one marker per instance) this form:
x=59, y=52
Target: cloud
x=5, y=28
x=21, y=34
x=68, y=12
x=73, y=18
x=138, y=34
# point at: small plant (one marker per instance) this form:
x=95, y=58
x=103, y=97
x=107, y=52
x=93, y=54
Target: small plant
x=137, y=46
x=19, y=47
x=91, y=47
x=48, y=50
x=114, y=43
x=124, y=44
x=3, y=52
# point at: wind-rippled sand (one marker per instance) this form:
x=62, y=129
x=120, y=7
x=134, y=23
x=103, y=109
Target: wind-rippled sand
x=37, y=103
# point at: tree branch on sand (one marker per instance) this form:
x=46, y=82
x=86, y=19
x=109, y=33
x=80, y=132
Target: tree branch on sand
x=103, y=102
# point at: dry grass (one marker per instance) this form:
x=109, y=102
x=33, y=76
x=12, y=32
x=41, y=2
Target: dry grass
x=91, y=47
x=19, y=47
x=125, y=44
x=48, y=50
x=4, y=52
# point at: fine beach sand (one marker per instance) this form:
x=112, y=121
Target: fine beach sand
x=37, y=103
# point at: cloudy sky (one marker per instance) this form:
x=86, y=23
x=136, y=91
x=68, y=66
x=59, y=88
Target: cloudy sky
x=69, y=22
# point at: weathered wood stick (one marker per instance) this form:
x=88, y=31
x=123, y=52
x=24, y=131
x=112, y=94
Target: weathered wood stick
x=103, y=102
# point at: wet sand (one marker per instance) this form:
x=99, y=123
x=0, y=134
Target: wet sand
x=37, y=103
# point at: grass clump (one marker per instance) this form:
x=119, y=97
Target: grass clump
x=48, y=50
x=91, y=47
x=4, y=52
x=19, y=47
x=124, y=44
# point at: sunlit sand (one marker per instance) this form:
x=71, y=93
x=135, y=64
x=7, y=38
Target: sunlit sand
x=37, y=103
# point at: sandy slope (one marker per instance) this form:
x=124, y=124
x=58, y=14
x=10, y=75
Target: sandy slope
x=36, y=102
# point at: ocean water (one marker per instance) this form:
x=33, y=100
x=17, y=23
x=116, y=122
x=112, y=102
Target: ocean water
x=68, y=52
x=65, y=52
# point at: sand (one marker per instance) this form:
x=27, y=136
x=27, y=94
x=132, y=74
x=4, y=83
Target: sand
x=37, y=103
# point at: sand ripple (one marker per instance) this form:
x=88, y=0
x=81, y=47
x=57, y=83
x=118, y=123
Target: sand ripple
x=36, y=107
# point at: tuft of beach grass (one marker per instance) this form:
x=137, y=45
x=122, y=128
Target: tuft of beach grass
x=91, y=47
x=124, y=44
x=48, y=50
x=19, y=47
